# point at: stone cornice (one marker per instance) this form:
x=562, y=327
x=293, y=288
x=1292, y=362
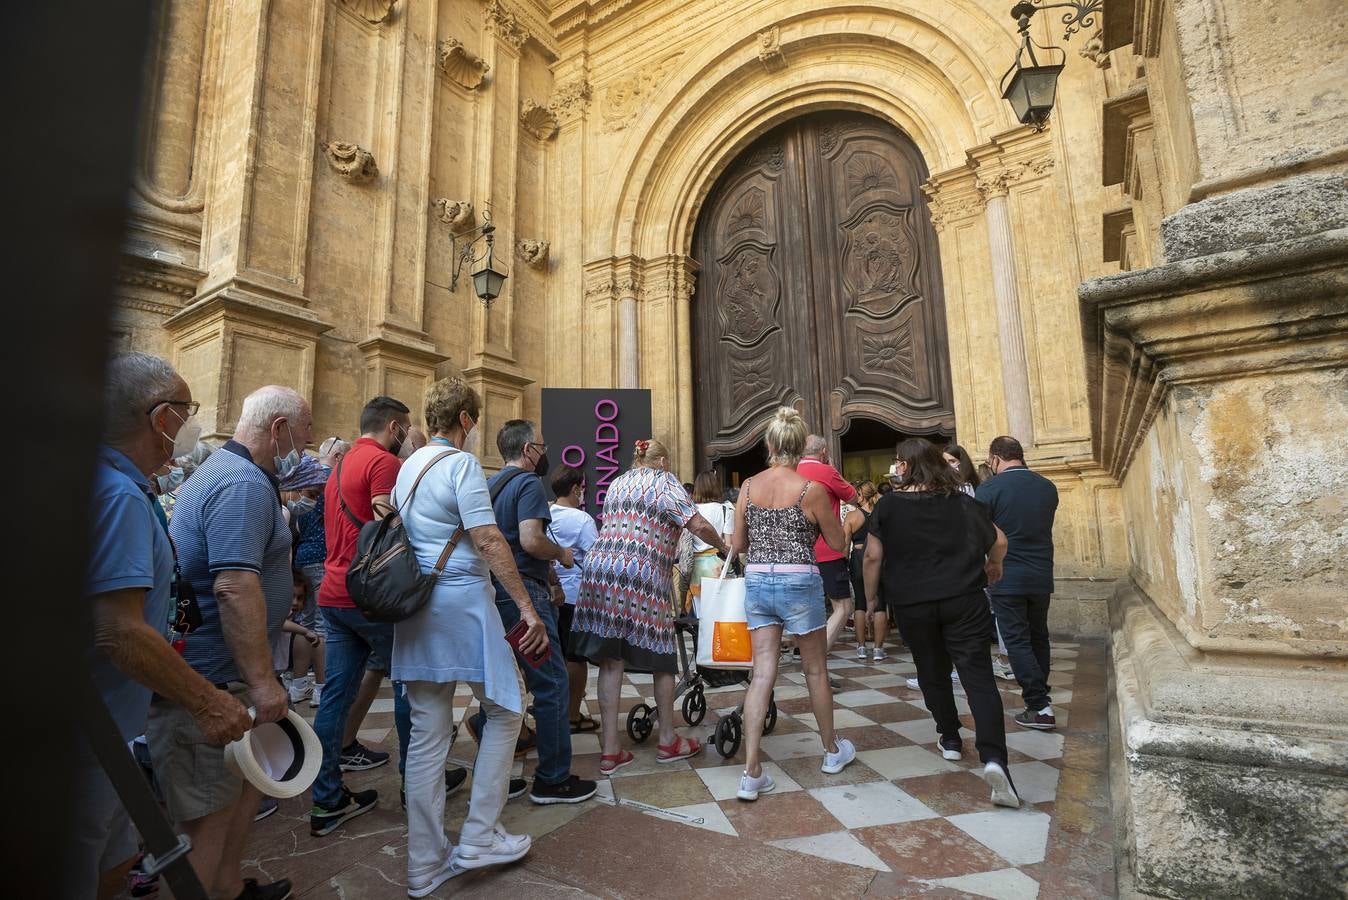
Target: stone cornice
x=1124, y=116
x=574, y=16
x=1270, y=308
x=240, y=300
x=389, y=343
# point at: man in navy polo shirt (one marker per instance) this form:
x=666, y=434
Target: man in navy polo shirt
x=1023, y=504
x=234, y=546
x=148, y=412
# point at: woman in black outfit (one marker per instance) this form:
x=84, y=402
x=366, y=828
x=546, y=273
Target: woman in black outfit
x=857, y=526
x=932, y=549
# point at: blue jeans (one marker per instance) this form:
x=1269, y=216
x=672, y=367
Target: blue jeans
x=1022, y=620
x=548, y=683
x=789, y=599
x=351, y=640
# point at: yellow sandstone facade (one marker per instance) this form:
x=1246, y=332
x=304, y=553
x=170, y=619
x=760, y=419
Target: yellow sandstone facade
x=307, y=168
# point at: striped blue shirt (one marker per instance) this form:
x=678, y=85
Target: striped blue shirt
x=228, y=517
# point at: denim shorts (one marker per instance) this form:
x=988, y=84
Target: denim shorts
x=789, y=599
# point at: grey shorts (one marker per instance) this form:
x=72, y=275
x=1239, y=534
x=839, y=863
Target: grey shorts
x=308, y=615
x=192, y=774
x=100, y=838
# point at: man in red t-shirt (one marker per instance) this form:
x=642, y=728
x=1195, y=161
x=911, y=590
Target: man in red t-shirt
x=357, y=492
x=815, y=466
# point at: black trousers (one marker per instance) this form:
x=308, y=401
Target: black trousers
x=955, y=630
x=1023, y=620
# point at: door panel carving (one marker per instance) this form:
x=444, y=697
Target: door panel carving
x=820, y=287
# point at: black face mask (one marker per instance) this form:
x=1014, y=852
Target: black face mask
x=541, y=467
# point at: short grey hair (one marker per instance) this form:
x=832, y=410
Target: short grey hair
x=512, y=437
x=815, y=445
x=135, y=382
x=333, y=445
x=267, y=404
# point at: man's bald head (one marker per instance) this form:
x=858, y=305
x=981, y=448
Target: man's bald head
x=815, y=447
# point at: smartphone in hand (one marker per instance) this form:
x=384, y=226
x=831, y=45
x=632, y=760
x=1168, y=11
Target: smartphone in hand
x=516, y=634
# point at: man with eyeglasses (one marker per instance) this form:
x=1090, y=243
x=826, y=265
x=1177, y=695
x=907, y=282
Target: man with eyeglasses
x=520, y=503
x=131, y=584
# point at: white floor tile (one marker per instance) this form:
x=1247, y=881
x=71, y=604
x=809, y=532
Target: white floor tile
x=905, y=762
x=882, y=681
x=584, y=743
x=1061, y=653
x=1061, y=679
x=794, y=677
x=724, y=781
x=789, y=692
x=1036, y=782
x=629, y=691
x=1003, y=884
x=792, y=746
x=869, y=697
x=381, y=705
x=919, y=731
x=842, y=718
x=639, y=677
x=862, y=805
x=372, y=735
x=707, y=816
x=1060, y=695
x=1066, y=665
x=1039, y=744
x=844, y=662
x=837, y=846
x=645, y=764
x=1017, y=835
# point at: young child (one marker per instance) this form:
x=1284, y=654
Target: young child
x=280, y=655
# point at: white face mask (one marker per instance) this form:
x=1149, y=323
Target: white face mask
x=188, y=435
x=288, y=463
x=302, y=506
x=894, y=470
x=470, y=440
x=170, y=482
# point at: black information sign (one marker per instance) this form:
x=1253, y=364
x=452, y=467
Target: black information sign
x=594, y=430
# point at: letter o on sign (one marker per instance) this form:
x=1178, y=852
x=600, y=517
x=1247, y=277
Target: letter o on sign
x=606, y=410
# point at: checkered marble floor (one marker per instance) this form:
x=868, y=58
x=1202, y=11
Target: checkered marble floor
x=900, y=821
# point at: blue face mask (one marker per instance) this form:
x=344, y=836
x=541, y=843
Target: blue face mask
x=169, y=482
x=288, y=463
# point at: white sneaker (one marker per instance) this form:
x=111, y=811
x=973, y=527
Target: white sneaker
x=300, y=688
x=836, y=762
x=1002, y=670
x=420, y=887
x=879, y=655
x=861, y=651
x=751, y=787
x=913, y=685
x=314, y=697
x=1003, y=792
x=505, y=848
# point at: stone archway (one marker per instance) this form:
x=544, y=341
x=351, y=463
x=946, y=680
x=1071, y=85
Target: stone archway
x=819, y=287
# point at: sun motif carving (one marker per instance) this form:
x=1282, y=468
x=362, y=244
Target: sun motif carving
x=747, y=212
x=890, y=354
x=748, y=377
x=868, y=172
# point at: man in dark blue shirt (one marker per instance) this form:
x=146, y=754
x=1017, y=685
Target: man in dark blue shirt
x=1023, y=504
x=520, y=503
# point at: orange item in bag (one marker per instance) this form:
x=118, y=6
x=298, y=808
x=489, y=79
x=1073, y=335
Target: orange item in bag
x=730, y=643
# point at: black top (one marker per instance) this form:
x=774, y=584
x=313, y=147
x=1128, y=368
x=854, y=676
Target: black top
x=1022, y=504
x=859, y=536
x=935, y=545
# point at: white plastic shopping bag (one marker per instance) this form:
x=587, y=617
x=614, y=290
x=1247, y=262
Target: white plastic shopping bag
x=723, y=628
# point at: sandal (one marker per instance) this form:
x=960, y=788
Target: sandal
x=584, y=725
x=610, y=764
x=682, y=748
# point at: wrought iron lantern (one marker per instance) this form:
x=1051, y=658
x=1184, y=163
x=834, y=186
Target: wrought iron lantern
x=1031, y=84
x=488, y=281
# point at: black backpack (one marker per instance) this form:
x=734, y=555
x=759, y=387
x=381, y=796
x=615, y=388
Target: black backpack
x=385, y=580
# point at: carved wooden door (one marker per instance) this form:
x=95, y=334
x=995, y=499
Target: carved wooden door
x=819, y=287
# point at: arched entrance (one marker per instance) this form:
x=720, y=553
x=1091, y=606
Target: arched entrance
x=819, y=287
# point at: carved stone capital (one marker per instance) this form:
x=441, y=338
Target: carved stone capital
x=997, y=182
x=457, y=214
x=460, y=65
x=504, y=24
x=570, y=100
x=951, y=205
x=539, y=121
x=534, y=253
x=351, y=161
x=770, y=49
x=376, y=12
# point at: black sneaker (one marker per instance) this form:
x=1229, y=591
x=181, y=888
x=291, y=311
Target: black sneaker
x=951, y=747
x=455, y=778
x=268, y=806
x=358, y=758
x=1030, y=719
x=277, y=890
x=324, y=821
x=518, y=788
x=574, y=790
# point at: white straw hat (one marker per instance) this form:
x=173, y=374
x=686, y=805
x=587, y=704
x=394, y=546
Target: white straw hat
x=281, y=759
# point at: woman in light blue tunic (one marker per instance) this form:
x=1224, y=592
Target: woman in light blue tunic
x=457, y=636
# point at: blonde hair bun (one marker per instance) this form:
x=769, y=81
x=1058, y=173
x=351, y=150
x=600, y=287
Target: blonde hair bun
x=785, y=437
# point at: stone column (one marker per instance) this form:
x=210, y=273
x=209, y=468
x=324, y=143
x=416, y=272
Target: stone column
x=1015, y=371
x=629, y=365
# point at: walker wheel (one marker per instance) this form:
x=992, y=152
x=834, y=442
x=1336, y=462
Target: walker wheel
x=770, y=720
x=694, y=707
x=639, y=722
x=722, y=738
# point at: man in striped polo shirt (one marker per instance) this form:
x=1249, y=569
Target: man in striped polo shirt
x=234, y=546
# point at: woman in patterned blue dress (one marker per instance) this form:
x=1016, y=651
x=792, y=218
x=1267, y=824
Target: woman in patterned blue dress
x=624, y=615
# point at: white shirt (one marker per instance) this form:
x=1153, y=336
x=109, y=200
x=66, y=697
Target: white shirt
x=722, y=518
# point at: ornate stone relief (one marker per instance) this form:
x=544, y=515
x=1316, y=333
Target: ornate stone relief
x=829, y=137
x=503, y=23
x=773, y=158
x=748, y=211
x=457, y=214
x=623, y=97
x=998, y=182
x=539, y=121
x=889, y=354
x=461, y=66
x=770, y=49
x=748, y=377
x=570, y=100
x=1095, y=51
x=534, y=253
x=373, y=11
x=351, y=161
x=879, y=261
x=749, y=294
x=868, y=172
